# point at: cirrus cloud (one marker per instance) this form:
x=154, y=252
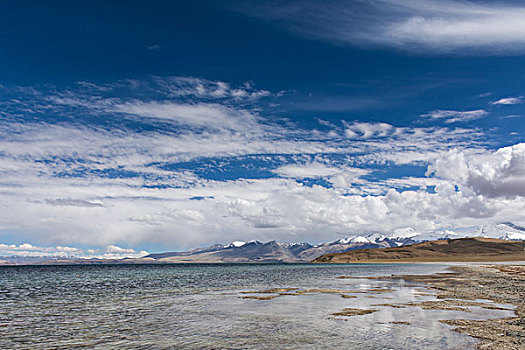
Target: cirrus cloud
x=420, y=26
x=451, y=116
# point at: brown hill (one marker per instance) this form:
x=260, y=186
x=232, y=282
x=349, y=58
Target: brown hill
x=462, y=249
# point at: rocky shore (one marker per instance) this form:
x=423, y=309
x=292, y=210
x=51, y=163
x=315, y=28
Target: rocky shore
x=503, y=284
x=465, y=289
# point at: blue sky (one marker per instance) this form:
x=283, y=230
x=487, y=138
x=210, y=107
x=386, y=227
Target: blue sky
x=130, y=126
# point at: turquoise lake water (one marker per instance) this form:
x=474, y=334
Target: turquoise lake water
x=203, y=307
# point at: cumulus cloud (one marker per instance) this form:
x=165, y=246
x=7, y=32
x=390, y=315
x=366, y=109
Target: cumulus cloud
x=308, y=210
x=360, y=130
x=499, y=174
x=450, y=26
x=450, y=116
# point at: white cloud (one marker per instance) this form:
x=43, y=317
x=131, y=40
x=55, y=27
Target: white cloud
x=77, y=183
x=185, y=216
x=359, y=130
x=312, y=170
x=203, y=88
x=73, y=202
x=170, y=87
x=154, y=47
x=508, y=101
x=448, y=26
x=450, y=116
x=29, y=250
x=199, y=115
x=99, y=211
x=116, y=249
x=256, y=209
x=499, y=174
x=341, y=177
x=511, y=117
x=325, y=214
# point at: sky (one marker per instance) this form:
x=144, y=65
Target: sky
x=146, y=126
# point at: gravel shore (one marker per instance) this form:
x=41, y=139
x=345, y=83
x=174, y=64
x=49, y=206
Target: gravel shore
x=503, y=284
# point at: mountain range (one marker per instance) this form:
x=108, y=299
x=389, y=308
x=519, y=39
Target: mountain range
x=274, y=252
x=255, y=251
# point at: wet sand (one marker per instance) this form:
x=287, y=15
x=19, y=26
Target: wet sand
x=466, y=286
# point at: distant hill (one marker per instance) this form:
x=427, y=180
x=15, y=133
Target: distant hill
x=461, y=249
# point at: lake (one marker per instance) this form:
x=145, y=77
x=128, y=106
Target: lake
x=205, y=306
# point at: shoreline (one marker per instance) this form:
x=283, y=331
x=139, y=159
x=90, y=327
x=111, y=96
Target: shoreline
x=446, y=261
x=509, y=259
x=501, y=283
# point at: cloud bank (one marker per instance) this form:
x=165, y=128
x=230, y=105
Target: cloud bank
x=29, y=250
x=83, y=168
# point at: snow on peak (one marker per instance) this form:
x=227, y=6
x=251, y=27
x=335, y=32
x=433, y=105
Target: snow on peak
x=515, y=236
x=400, y=233
x=356, y=239
x=449, y=233
x=501, y=231
x=360, y=239
x=288, y=244
x=235, y=244
x=376, y=237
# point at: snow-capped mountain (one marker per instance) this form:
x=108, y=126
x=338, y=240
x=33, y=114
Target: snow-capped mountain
x=353, y=243
x=255, y=251
x=238, y=244
x=506, y=230
x=237, y=252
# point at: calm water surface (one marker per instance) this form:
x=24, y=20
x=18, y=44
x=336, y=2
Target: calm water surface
x=203, y=307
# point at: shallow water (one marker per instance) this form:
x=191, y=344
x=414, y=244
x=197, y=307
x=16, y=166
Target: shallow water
x=203, y=307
